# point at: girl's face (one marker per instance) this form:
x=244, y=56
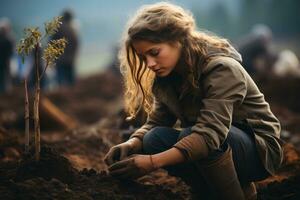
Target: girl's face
x=161, y=58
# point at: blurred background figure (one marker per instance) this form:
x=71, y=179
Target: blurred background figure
x=65, y=65
x=287, y=64
x=114, y=65
x=256, y=51
x=6, y=52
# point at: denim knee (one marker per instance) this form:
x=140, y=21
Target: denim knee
x=159, y=139
x=149, y=139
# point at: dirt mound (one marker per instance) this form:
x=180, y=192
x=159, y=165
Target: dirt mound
x=286, y=189
x=53, y=177
x=50, y=165
x=286, y=183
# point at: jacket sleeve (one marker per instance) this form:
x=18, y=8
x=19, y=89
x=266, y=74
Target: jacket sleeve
x=225, y=87
x=160, y=116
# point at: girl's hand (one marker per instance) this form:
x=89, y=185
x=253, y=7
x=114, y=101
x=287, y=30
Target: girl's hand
x=132, y=168
x=123, y=150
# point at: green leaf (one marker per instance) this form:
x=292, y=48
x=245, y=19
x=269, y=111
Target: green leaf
x=52, y=27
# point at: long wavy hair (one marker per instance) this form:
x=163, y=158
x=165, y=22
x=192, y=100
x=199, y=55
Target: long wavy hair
x=160, y=22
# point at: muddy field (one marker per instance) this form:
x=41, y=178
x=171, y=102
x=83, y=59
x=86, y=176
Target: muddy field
x=71, y=165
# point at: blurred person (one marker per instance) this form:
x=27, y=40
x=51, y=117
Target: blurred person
x=6, y=52
x=287, y=64
x=65, y=64
x=228, y=136
x=114, y=65
x=255, y=48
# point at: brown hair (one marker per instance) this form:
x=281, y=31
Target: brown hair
x=160, y=22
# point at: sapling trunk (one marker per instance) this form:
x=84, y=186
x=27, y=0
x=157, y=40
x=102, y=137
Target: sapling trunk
x=26, y=117
x=37, y=133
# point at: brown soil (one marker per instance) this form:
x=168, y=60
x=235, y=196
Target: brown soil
x=71, y=165
x=54, y=177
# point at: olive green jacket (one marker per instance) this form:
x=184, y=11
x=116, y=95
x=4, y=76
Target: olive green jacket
x=226, y=94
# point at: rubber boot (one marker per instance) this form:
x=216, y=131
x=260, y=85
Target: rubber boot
x=192, y=177
x=250, y=191
x=221, y=176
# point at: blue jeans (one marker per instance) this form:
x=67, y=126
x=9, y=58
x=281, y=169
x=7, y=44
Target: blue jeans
x=245, y=155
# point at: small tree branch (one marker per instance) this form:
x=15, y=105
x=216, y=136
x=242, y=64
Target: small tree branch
x=26, y=117
x=44, y=71
x=36, y=106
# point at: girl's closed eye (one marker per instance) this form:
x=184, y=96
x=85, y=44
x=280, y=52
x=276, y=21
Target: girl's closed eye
x=154, y=52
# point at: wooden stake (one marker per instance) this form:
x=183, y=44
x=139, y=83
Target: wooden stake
x=26, y=117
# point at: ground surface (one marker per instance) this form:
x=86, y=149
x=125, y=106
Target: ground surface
x=72, y=167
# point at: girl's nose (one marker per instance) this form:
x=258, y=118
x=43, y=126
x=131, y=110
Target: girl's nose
x=151, y=63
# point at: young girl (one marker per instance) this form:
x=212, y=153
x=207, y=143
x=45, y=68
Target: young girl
x=228, y=136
